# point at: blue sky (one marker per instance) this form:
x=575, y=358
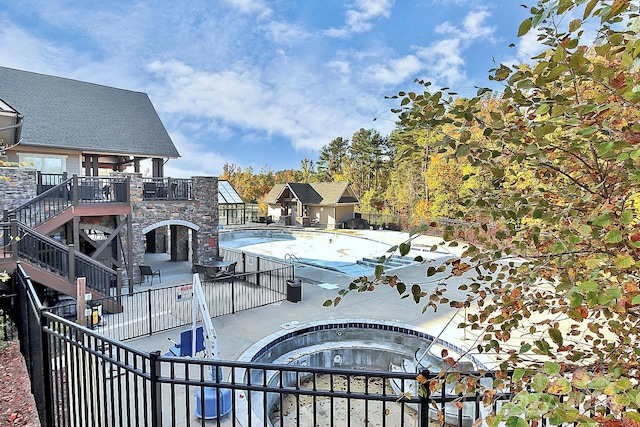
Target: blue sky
x=260, y=83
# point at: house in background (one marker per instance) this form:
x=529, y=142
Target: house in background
x=323, y=203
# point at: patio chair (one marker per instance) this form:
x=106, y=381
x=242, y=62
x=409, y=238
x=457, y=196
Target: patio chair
x=227, y=274
x=210, y=273
x=201, y=270
x=146, y=271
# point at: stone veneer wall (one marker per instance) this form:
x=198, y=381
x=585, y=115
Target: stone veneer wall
x=201, y=211
x=17, y=186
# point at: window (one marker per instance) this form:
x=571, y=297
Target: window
x=44, y=163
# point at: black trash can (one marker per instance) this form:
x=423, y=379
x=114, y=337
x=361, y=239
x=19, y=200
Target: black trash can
x=294, y=290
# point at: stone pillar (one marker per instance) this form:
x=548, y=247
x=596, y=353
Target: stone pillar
x=179, y=243
x=205, y=194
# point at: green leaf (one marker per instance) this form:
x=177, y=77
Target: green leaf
x=517, y=375
x=540, y=382
x=525, y=348
x=598, y=383
x=627, y=217
x=636, y=300
x=401, y=287
x=613, y=236
x=516, y=422
x=543, y=346
x=589, y=8
x=405, y=248
x=556, y=336
x=551, y=368
x=575, y=24
x=525, y=26
x=603, y=220
x=379, y=270
x=624, y=261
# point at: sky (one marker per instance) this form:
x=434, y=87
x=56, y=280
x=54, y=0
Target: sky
x=265, y=83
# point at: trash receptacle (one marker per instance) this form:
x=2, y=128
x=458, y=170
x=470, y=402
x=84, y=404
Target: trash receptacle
x=93, y=313
x=294, y=290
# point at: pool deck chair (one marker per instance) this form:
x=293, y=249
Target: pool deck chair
x=146, y=272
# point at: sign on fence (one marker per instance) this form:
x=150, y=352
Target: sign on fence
x=185, y=293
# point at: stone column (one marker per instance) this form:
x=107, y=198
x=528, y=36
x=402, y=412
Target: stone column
x=205, y=194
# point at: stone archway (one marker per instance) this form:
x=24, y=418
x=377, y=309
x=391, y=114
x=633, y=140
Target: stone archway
x=175, y=237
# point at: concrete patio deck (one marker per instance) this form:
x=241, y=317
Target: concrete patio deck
x=237, y=332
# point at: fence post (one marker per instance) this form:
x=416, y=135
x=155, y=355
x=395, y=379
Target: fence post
x=156, y=389
x=74, y=189
x=127, y=193
x=14, y=239
x=72, y=265
x=119, y=285
x=46, y=373
x=150, y=311
x=424, y=403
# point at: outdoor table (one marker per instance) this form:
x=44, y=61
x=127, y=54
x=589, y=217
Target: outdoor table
x=218, y=264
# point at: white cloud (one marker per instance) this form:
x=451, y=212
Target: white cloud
x=358, y=18
x=396, y=71
x=23, y=51
x=285, y=33
x=473, y=27
x=258, y=7
x=195, y=160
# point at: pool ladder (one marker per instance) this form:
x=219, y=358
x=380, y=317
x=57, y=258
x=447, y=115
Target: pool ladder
x=291, y=258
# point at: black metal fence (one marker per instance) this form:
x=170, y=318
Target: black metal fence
x=81, y=377
x=161, y=309
x=166, y=189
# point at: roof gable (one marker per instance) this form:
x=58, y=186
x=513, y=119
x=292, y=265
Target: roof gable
x=317, y=193
x=70, y=114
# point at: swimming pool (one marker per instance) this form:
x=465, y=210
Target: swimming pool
x=348, y=254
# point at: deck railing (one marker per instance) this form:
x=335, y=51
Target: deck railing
x=82, y=377
x=166, y=189
x=71, y=192
x=22, y=242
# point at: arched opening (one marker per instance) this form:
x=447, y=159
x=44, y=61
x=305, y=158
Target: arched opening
x=178, y=238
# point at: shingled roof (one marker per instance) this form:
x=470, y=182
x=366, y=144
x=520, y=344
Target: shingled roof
x=70, y=114
x=315, y=193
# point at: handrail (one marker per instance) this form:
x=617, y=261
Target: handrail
x=292, y=258
x=46, y=252
x=166, y=188
x=42, y=207
x=73, y=191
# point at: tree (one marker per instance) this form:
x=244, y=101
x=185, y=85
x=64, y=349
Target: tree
x=331, y=160
x=562, y=150
x=368, y=156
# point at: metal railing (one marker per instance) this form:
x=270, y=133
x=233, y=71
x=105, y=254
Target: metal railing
x=81, y=377
x=161, y=309
x=22, y=242
x=100, y=381
x=70, y=192
x=166, y=189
